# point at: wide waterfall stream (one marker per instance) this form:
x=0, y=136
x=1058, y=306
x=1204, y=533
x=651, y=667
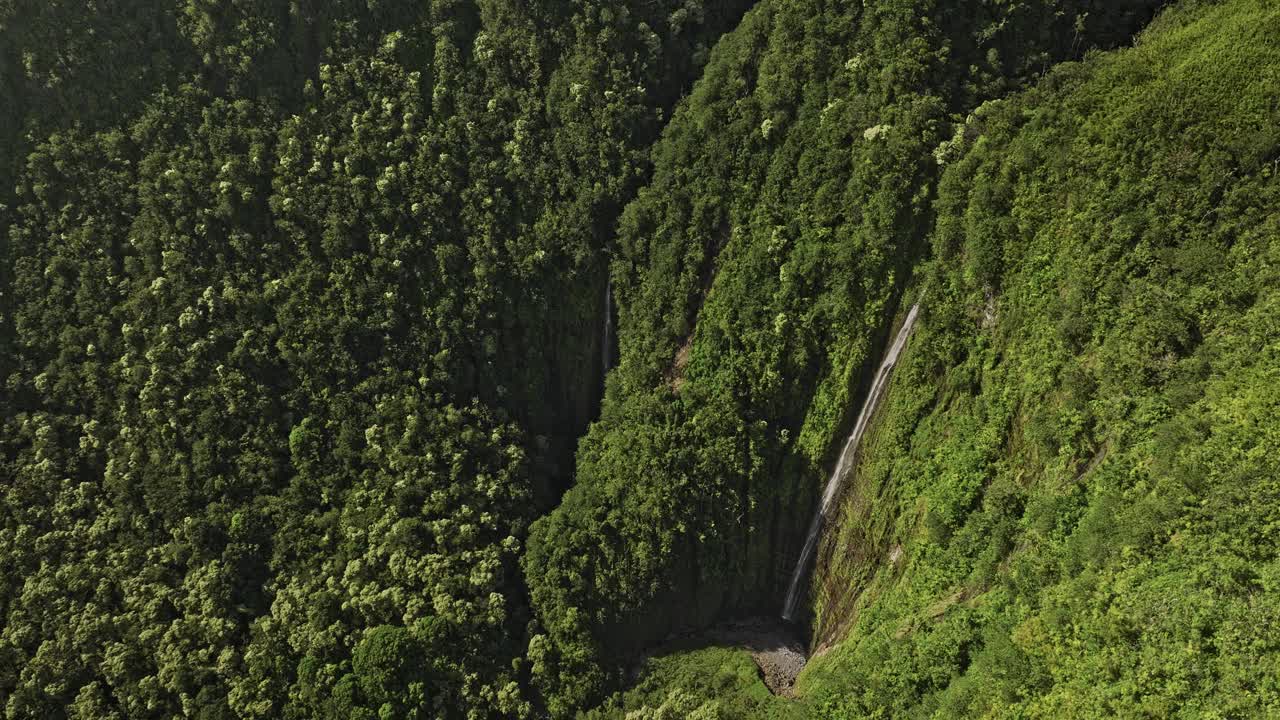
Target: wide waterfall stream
x=850, y=451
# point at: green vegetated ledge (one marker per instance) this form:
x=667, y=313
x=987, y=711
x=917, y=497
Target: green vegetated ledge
x=755, y=275
x=1069, y=506
x=1073, y=461
x=299, y=322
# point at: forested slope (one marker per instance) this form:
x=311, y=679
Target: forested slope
x=1075, y=462
x=300, y=327
x=300, y=308
x=755, y=278
x=1068, y=506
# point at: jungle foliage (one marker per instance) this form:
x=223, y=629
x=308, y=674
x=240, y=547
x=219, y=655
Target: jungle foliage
x=756, y=275
x=300, y=310
x=1068, y=505
x=300, y=342
x=1075, y=461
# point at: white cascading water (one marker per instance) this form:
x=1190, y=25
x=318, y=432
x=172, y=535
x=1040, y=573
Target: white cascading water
x=850, y=451
x=607, y=346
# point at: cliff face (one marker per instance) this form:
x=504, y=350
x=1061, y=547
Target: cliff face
x=1065, y=509
x=756, y=276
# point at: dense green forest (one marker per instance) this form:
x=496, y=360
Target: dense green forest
x=301, y=305
x=303, y=352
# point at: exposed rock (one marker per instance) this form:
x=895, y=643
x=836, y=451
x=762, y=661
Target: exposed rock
x=776, y=650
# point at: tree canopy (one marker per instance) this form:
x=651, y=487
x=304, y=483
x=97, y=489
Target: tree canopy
x=307, y=340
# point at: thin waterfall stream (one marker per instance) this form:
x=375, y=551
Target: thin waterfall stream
x=606, y=353
x=850, y=451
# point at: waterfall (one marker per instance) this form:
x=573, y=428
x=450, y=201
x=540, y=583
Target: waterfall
x=878, y=387
x=606, y=352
